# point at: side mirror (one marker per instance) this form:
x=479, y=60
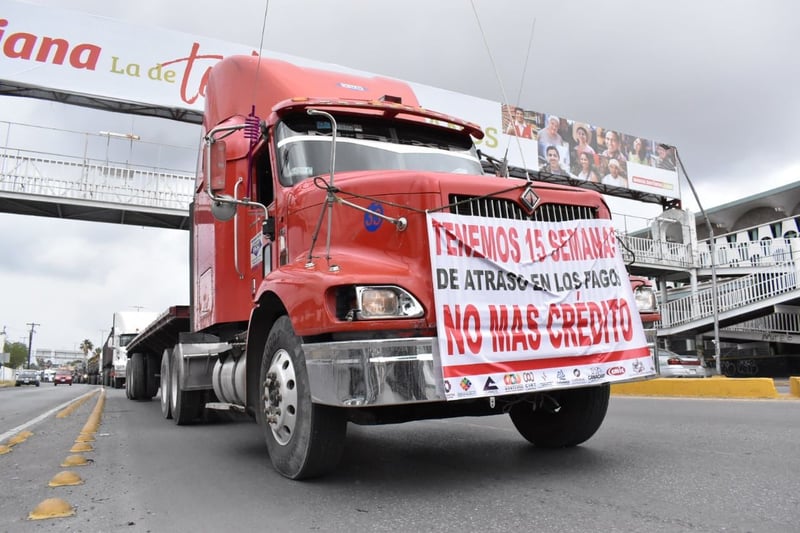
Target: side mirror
x=223, y=211
x=217, y=169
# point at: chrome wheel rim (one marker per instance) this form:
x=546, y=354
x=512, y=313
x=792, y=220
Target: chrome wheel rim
x=280, y=397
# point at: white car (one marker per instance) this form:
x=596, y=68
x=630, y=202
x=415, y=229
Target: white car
x=673, y=365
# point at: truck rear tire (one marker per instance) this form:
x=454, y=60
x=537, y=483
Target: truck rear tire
x=186, y=406
x=128, y=379
x=304, y=439
x=138, y=377
x=166, y=364
x=151, y=372
x=579, y=414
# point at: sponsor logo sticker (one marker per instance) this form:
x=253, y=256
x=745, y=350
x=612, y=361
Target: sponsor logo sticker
x=616, y=371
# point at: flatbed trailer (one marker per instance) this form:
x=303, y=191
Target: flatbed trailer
x=148, y=346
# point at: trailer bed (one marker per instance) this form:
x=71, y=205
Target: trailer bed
x=162, y=333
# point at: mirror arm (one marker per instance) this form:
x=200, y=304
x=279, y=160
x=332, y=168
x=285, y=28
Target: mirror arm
x=210, y=138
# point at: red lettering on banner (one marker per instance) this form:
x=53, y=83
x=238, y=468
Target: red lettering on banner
x=21, y=45
x=535, y=241
x=588, y=323
x=457, y=326
x=190, y=61
x=580, y=244
x=475, y=240
x=521, y=335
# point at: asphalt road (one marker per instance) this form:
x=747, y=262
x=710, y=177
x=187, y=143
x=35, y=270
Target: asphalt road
x=20, y=405
x=655, y=465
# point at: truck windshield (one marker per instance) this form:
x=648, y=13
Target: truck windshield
x=367, y=143
x=126, y=338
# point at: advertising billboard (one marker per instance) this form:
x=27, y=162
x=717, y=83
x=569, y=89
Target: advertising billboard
x=78, y=58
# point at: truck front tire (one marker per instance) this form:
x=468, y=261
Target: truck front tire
x=564, y=418
x=304, y=439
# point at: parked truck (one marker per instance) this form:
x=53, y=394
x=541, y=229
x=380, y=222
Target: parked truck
x=125, y=326
x=351, y=262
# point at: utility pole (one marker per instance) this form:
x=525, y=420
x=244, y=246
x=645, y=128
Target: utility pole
x=713, y=248
x=30, y=340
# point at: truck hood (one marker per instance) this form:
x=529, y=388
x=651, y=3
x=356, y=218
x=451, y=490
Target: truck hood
x=364, y=248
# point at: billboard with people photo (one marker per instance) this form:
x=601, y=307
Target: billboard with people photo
x=589, y=153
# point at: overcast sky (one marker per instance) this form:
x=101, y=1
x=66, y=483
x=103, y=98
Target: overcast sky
x=717, y=79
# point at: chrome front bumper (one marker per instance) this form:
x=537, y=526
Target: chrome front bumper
x=375, y=372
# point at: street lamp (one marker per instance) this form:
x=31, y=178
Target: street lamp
x=714, y=296
x=130, y=136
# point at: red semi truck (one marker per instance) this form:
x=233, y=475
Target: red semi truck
x=351, y=262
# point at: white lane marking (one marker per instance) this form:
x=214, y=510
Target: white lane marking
x=12, y=432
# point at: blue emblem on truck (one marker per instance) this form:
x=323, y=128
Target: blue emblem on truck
x=372, y=222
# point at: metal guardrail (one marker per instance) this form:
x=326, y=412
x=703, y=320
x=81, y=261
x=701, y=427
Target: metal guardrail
x=761, y=253
x=778, y=323
x=30, y=173
x=769, y=267
x=732, y=295
x=643, y=250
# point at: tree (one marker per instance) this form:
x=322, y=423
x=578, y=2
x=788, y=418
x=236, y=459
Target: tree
x=86, y=347
x=18, y=354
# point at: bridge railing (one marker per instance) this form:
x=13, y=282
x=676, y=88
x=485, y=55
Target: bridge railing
x=761, y=253
x=643, y=250
x=731, y=295
x=778, y=323
x=60, y=177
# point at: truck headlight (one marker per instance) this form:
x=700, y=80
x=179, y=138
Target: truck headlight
x=378, y=302
x=645, y=299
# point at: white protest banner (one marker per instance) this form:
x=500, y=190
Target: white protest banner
x=523, y=306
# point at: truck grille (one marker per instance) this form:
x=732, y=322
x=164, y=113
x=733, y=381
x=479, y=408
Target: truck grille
x=505, y=208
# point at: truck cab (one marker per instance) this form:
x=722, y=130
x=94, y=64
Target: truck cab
x=124, y=327
x=332, y=223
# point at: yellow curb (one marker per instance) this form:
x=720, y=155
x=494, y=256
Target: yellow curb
x=19, y=438
x=794, y=386
x=52, y=508
x=75, y=460
x=715, y=387
x=85, y=437
x=81, y=447
x=65, y=478
x=4, y=449
x=89, y=429
x=68, y=410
